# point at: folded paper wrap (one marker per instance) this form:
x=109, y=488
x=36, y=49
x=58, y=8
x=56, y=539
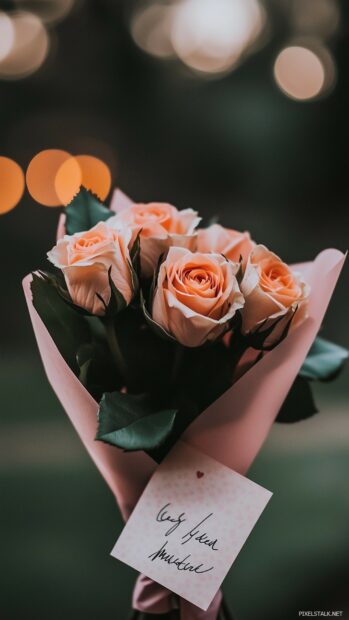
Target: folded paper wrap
x=232, y=430
x=234, y=427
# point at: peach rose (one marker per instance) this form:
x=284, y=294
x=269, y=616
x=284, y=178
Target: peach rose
x=161, y=226
x=227, y=241
x=271, y=289
x=196, y=296
x=85, y=259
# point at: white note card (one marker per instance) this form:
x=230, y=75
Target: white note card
x=190, y=523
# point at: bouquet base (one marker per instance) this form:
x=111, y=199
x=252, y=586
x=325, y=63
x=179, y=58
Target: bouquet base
x=223, y=614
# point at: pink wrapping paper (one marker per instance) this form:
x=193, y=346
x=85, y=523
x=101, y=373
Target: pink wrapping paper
x=232, y=430
x=125, y=476
x=119, y=201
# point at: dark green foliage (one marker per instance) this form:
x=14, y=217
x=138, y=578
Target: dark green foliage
x=324, y=361
x=133, y=422
x=68, y=329
x=299, y=403
x=84, y=212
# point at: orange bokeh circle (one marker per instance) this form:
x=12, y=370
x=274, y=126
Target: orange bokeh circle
x=94, y=175
x=11, y=184
x=41, y=176
x=68, y=180
x=54, y=177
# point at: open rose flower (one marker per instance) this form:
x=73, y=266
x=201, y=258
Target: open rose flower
x=85, y=259
x=271, y=289
x=227, y=241
x=161, y=226
x=196, y=296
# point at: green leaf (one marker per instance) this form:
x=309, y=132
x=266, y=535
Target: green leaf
x=324, y=362
x=68, y=329
x=135, y=263
x=134, y=278
x=154, y=280
x=132, y=423
x=299, y=403
x=56, y=279
x=135, y=252
x=240, y=272
x=85, y=353
x=84, y=212
x=259, y=338
x=83, y=373
x=84, y=358
x=157, y=329
x=117, y=301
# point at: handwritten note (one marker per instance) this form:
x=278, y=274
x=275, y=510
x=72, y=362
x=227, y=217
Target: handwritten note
x=190, y=524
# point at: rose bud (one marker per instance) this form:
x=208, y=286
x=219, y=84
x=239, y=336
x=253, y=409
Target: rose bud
x=160, y=225
x=227, y=241
x=85, y=259
x=271, y=290
x=196, y=296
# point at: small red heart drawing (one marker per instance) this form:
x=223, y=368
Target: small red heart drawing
x=199, y=474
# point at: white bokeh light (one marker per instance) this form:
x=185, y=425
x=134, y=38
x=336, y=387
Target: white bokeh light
x=7, y=35
x=49, y=11
x=211, y=35
x=150, y=29
x=29, y=47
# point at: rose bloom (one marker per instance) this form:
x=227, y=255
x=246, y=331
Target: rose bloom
x=227, y=241
x=161, y=226
x=196, y=296
x=85, y=259
x=271, y=289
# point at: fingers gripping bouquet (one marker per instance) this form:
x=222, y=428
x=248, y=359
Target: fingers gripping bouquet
x=152, y=328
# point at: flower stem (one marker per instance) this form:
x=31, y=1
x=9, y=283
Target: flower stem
x=114, y=347
x=178, y=356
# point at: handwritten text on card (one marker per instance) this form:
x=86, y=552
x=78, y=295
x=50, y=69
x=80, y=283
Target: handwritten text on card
x=187, y=529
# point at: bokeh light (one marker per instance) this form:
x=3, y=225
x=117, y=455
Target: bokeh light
x=11, y=184
x=68, y=180
x=95, y=175
x=41, y=176
x=54, y=177
x=50, y=11
x=86, y=170
x=151, y=30
x=210, y=35
x=299, y=72
x=7, y=35
x=318, y=18
x=29, y=47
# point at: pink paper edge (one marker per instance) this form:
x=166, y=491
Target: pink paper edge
x=125, y=473
x=120, y=201
x=235, y=435
x=209, y=432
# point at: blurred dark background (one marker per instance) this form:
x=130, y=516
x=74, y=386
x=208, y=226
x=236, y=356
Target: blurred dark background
x=236, y=108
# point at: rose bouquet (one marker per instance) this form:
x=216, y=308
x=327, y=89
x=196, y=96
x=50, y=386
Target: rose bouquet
x=153, y=329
